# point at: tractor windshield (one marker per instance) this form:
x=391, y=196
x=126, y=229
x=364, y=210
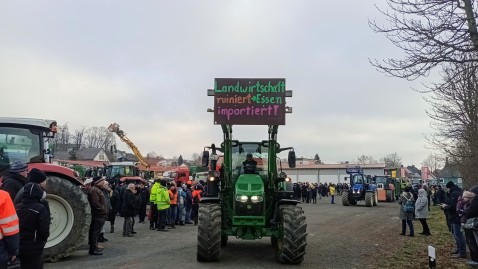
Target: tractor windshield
x=19, y=144
x=380, y=180
x=255, y=163
x=358, y=179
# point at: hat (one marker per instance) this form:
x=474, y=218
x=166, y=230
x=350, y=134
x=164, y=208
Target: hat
x=88, y=181
x=450, y=184
x=18, y=167
x=249, y=155
x=37, y=176
x=97, y=180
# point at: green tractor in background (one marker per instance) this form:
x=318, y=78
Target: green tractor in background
x=249, y=203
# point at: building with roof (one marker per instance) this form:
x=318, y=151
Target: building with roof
x=331, y=173
x=89, y=154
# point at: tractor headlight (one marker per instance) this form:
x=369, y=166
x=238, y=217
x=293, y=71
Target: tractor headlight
x=211, y=178
x=256, y=199
x=242, y=198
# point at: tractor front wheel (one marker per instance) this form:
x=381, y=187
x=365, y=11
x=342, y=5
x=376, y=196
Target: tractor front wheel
x=345, y=198
x=389, y=196
x=70, y=218
x=369, y=199
x=209, y=233
x=290, y=246
x=375, y=198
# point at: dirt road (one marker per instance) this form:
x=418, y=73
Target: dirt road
x=338, y=237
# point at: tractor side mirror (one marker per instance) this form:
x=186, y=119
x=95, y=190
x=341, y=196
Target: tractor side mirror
x=205, y=158
x=291, y=159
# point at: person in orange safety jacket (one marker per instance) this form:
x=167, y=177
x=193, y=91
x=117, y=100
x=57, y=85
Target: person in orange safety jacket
x=9, y=230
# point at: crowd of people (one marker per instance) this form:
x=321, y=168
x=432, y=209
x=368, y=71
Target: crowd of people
x=461, y=213
x=169, y=206
x=25, y=213
x=308, y=192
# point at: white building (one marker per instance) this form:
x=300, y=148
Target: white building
x=330, y=173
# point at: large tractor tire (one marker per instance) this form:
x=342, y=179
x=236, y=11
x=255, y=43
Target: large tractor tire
x=70, y=218
x=375, y=198
x=389, y=196
x=345, y=198
x=289, y=247
x=369, y=199
x=209, y=233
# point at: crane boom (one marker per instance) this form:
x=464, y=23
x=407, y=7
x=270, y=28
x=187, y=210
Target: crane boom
x=114, y=128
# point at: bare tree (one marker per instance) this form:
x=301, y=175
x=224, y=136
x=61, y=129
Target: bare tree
x=77, y=139
x=364, y=160
x=430, y=33
x=434, y=162
x=454, y=114
x=62, y=138
x=392, y=160
x=99, y=137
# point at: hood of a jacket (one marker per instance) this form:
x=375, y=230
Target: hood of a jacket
x=33, y=190
x=422, y=192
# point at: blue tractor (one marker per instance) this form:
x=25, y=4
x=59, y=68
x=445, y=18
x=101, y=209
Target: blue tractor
x=360, y=188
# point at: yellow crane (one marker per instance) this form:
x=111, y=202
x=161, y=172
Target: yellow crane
x=114, y=128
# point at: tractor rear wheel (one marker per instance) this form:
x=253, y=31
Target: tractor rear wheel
x=290, y=246
x=209, y=233
x=369, y=199
x=70, y=218
x=375, y=198
x=389, y=196
x=345, y=198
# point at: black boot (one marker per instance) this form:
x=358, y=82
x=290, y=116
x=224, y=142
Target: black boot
x=112, y=230
x=95, y=251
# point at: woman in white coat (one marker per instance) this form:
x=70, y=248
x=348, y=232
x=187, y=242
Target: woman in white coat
x=421, y=210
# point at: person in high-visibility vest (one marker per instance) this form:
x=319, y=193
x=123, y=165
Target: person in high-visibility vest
x=9, y=230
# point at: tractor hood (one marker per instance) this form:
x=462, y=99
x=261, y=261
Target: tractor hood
x=249, y=184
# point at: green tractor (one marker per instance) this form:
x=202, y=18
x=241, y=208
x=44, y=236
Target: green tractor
x=250, y=201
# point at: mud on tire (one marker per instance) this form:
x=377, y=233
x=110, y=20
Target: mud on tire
x=70, y=218
x=290, y=246
x=209, y=233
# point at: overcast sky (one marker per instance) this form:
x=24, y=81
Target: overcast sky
x=148, y=64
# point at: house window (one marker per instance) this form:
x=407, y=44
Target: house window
x=102, y=157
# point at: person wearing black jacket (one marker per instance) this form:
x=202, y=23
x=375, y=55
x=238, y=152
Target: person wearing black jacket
x=115, y=205
x=34, y=221
x=143, y=201
x=129, y=207
x=15, y=178
x=449, y=207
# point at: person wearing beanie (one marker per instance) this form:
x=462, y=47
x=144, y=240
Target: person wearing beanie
x=15, y=178
x=99, y=212
x=453, y=219
x=449, y=184
x=34, y=220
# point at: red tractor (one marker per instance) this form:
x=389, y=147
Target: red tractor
x=28, y=140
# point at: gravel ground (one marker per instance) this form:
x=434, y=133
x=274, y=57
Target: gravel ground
x=338, y=237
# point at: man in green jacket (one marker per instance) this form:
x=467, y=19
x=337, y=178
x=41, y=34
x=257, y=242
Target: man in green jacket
x=152, y=200
x=162, y=204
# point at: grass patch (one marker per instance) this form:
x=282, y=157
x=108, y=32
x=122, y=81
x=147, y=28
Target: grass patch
x=412, y=252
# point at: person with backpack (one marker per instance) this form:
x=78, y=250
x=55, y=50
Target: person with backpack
x=421, y=211
x=407, y=208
